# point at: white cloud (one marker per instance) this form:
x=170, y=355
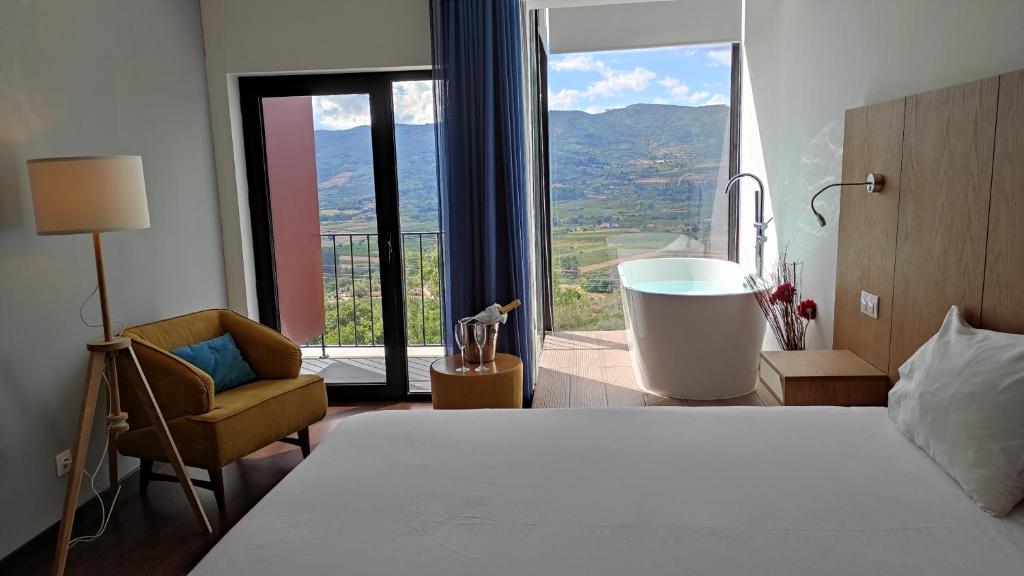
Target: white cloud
x=697, y=97
x=679, y=93
x=676, y=89
x=615, y=82
x=717, y=99
x=341, y=112
x=563, y=99
x=612, y=83
x=414, y=102
x=578, y=63
x=720, y=57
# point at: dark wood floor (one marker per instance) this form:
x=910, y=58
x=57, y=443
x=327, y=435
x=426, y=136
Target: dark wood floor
x=157, y=534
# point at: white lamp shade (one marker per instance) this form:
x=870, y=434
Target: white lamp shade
x=85, y=194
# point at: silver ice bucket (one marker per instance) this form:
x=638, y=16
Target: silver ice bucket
x=467, y=325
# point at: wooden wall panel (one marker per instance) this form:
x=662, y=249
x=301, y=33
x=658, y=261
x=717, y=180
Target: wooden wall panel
x=943, y=213
x=1003, y=298
x=872, y=142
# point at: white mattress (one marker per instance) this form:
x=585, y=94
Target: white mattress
x=692, y=491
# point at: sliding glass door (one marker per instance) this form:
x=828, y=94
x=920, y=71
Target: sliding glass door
x=420, y=225
x=344, y=208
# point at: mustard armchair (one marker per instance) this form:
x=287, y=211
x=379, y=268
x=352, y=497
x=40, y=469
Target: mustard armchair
x=213, y=430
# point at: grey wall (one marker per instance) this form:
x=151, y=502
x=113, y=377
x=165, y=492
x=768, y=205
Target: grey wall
x=629, y=25
x=810, y=60
x=246, y=37
x=96, y=77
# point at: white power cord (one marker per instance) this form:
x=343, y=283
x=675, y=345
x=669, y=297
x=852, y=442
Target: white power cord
x=81, y=313
x=105, y=513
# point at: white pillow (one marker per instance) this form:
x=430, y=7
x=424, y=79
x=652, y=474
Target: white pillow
x=960, y=398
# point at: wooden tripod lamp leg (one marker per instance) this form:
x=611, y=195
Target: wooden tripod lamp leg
x=152, y=410
x=98, y=354
x=117, y=421
x=85, y=418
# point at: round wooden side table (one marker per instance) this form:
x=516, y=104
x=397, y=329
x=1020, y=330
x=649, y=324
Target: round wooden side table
x=500, y=386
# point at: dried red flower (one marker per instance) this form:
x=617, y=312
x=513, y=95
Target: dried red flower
x=808, y=309
x=784, y=293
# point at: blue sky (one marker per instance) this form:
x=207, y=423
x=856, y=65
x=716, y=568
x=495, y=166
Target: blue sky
x=592, y=81
x=597, y=81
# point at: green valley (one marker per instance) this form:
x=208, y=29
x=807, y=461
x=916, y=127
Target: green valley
x=638, y=181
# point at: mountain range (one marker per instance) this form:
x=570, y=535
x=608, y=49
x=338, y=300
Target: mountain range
x=635, y=151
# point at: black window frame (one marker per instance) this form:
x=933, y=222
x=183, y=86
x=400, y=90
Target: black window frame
x=378, y=85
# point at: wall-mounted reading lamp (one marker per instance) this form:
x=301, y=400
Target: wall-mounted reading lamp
x=873, y=183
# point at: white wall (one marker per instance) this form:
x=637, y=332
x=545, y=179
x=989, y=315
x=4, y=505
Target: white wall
x=103, y=77
x=245, y=37
x=810, y=60
x=752, y=161
x=644, y=25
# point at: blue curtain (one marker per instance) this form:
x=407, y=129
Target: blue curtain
x=480, y=145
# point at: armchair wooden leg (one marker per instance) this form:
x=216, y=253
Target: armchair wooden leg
x=304, y=441
x=217, y=485
x=145, y=475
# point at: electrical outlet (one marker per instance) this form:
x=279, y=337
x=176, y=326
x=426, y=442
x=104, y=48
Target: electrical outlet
x=63, y=462
x=869, y=304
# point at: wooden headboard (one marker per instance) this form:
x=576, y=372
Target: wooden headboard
x=948, y=227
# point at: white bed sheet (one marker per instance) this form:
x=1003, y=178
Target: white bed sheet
x=722, y=491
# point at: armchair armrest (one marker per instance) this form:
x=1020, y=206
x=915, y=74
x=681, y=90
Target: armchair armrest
x=179, y=387
x=270, y=354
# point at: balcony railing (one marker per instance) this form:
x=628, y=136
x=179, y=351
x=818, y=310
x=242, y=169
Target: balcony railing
x=352, y=292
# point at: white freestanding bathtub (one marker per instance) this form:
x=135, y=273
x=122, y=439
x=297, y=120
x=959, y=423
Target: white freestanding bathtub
x=694, y=328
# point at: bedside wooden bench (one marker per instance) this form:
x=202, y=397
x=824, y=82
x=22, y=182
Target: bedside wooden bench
x=823, y=378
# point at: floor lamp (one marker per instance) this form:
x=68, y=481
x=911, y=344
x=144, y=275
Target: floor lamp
x=92, y=195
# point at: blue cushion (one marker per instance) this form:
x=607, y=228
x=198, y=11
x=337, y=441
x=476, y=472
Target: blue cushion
x=221, y=359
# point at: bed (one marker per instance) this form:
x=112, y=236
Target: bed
x=724, y=491
x=719, y=491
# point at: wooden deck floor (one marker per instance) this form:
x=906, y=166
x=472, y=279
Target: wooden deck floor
x=370, y=369
x=593, y=370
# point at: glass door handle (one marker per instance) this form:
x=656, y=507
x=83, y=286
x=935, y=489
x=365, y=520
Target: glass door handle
x=389, y=248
